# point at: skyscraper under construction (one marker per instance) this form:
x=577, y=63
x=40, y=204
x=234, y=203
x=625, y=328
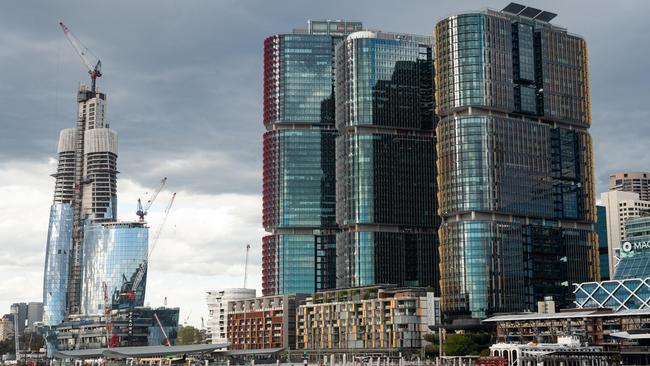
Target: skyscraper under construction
x=89, y=254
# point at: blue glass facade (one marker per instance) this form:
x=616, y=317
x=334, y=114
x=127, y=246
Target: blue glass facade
x=385, y=186
x=601, y=230
x=113, y=254
x=302, y=261
x=514, y=164
x=299, y=170
x=299, y=179
x=55, y=282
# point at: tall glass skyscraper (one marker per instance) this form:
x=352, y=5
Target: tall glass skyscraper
x=385, y=153
x=299, y=169
x=86, y=247
x=514, y=160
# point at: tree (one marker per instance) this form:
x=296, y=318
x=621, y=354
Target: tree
x=189, y=335
x=7, y=346
x=31, y=341
x=431, y=337
x=431, y=350
x=460, y=345
x=468, y=344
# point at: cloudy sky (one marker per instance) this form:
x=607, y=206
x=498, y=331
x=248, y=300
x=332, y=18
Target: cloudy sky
x=183, y=81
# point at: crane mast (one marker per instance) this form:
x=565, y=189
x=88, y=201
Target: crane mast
x=156, y=236
x=108, y=323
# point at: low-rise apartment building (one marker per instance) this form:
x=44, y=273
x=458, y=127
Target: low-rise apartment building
x=264, y=322
x=365, y=319
x=218, y=311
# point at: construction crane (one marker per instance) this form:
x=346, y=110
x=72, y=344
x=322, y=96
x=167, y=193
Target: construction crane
x=156, y=236
x=187, y=318
x=129, y=289
x=142, y=212
x=167, y=342
x=94, y=68
x=111, y=339
x=248, y=249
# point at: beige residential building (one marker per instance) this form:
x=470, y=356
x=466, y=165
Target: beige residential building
x=620, y=206
x=6, y=328
x=365, y=319
x=637, y=182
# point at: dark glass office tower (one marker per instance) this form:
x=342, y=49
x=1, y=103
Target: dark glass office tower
x=515, y=164
x=299, y=169
x=385, y=153
x=603, y=248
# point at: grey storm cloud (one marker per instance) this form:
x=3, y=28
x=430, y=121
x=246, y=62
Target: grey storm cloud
x=184, y=79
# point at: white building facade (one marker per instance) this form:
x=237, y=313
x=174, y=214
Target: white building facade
x=217, y=301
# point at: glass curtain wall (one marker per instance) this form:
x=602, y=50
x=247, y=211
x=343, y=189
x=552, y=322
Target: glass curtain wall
x=514, y=164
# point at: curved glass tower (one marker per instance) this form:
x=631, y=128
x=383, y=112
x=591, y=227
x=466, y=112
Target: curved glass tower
x=114, y=255
x=59, y=235
x=385, y=176
x=299, y=169
x=55, y=282
x=514, y=162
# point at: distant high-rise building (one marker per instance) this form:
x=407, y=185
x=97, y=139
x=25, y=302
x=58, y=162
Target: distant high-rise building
x=514, y=162
x=299, y=168
x=218, y=311
x=620, y=206
x=34, y=314
x=385, y=154
x=637, y=182
x=19, y=312
x=27, y=314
